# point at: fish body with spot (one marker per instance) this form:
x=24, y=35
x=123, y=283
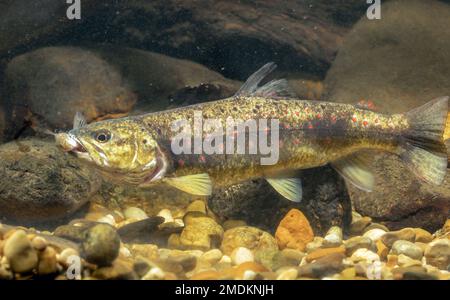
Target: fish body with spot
x=278, y=133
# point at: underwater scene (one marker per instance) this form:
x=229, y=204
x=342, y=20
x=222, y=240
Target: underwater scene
x=224, y=140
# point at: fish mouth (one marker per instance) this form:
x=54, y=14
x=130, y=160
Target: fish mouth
x=69, y=143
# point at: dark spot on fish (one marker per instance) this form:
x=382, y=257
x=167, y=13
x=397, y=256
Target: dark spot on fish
x=144, y=141
x=235, y=108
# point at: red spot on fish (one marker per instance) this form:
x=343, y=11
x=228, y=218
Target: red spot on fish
x=310, y=126
x=333, y=119
x=354, y=119
x=181, y=162
x=365, y=123
x=319, y=116
x=202, y=158
x=297, y=113
x=296, y=141
x=287, y=126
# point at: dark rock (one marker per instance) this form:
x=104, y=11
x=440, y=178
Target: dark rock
x=161, y=81
x=234, y=37
x=327, y=265
x=147, y=231
x=100, y=245
x=325, y=202
x=39, y=183
x=54, y=83
x=399, y=62
x=24, y=24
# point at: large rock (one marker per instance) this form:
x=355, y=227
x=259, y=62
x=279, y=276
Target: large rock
x=24, y=23
x=53, y=83
x=325, y=202
x=398, y=62
x=160, y=81
x=234, y=37
x=40, y=183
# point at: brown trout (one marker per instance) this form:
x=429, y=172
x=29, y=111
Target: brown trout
x=259, y=132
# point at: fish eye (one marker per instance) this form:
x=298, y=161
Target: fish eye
x=102, y=136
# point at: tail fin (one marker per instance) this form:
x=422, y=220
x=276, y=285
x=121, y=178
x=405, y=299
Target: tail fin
x=424, y=150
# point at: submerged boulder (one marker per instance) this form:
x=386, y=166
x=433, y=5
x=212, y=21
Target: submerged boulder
x=39, y=183
x=325, y=201
x=54, y=83
x=399, y=62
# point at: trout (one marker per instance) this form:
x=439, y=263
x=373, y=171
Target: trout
x=261, y=131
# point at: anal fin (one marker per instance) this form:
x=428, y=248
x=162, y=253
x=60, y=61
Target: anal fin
x=290, y=188
x=356, y=169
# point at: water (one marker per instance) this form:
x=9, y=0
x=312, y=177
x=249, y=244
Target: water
x=112, y=59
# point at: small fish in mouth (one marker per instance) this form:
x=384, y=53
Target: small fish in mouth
x=139, y=151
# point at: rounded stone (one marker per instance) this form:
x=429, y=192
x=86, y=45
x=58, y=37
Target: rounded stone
x=241, y=255
x=135, y=213
x=407, y=248
x=294, y=231
x=21, y=255
x=101, y=245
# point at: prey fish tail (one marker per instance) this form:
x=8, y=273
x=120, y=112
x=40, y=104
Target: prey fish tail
x=144, y=150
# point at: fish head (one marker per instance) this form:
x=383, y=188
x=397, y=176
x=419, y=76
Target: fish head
x=123, y=149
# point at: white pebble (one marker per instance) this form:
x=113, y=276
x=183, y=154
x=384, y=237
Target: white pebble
x=154, y=274
x=248, y=275
x=212, y=256
x=365, y=255
x=108, y=219
x=125, y=252
x=241, y=255
x=166, y=214
x=374, y=234
x=135, y=213
x=225, y=259
x=290, y=274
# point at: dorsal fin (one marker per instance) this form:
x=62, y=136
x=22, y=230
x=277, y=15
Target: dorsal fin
x=273, y=89
x=78, y=120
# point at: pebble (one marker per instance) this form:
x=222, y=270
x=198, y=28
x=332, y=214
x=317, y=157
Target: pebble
x=316, y=254
x=212, y=256
x=166, y=214
x=241, y=255
x=108, y=219
x=65, y=254
x=365, y=255
x=438, y=253
x=135, y=213
x=119, y=270
x=101, y=245
x=294, y=231
x=315, y=244
x=407, y=248
x=289, y=274
x=357, y=227
x=200, y=232
x=406, y=261
x=249, y=275
x=293, y=255
x=21, y=255
x=176, y=261
x=374, y=234
x=422, y=236
x=47, y=262
x=154, y=274
x=197, y=205
x=229, y=224
x=359, y=242
x=406, y=234
x=330, y=264
x=39, y=243
x=376, y=226
x=382, y=250
x=333, y=238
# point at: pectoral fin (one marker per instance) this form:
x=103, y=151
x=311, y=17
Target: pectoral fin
x=198, y=184
x=356, y=169
x=290, y=188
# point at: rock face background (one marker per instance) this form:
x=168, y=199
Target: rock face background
x=129, y=57
x=400, y=63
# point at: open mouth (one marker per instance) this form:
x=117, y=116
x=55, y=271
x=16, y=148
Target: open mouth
x=69, y=143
